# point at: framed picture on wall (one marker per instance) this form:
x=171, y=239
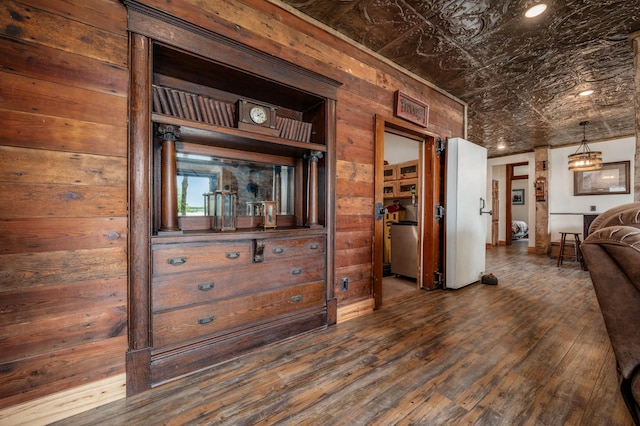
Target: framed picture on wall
x=517, y=196
x=612, y=178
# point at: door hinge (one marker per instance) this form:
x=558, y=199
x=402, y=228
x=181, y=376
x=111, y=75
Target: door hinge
x=438, y=279
x=439, y=211
x=380, y=211
x=440, y=146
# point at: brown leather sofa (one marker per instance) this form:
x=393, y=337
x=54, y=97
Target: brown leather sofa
x=612, y=255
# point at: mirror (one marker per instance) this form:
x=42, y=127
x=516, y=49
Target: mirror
x=252, y=181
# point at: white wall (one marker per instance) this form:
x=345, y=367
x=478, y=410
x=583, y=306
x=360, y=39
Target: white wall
x=398, y=149
x=566, y=209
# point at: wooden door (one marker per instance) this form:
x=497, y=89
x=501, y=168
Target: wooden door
x=429, y=187
x=495, y=217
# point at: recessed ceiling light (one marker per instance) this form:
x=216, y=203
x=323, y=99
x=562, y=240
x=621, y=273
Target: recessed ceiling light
x=535, y=10
x=586, y=93
x=501, y=146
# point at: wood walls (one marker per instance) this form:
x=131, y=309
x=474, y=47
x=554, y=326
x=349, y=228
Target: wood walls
x=63, y=186
x=63, y=172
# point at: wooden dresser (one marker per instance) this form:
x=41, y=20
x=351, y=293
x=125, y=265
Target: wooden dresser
x=214, y=277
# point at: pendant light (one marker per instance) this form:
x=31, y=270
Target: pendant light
x=584, y=159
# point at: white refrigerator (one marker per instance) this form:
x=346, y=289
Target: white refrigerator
x=466, y=224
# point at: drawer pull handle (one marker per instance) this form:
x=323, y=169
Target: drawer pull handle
x=232, y=254
x=278, y=250
x=206, y=320
x=296, y=271
x=296, y=298
x=314, y=246
x=177, y=261
x=205, y=286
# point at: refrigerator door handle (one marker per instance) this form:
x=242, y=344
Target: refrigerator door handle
x=482, y=206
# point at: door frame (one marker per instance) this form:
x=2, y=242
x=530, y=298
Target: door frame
x=508, y=214
x=430, y=184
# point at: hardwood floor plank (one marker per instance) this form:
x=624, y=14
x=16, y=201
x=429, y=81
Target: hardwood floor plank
x=531, y=350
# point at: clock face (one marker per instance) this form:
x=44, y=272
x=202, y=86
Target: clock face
x=258, y=115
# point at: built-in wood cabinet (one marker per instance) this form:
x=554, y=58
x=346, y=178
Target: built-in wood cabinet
x=401, y=180
x=200, y=295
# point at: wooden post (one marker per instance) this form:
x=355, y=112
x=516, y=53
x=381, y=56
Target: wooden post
x=312, y=213
x=168, y=135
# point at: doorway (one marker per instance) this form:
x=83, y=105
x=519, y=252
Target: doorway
x=419, y=191
x=401, y=220
x=517, y=215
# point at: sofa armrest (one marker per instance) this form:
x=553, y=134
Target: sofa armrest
x=612, y=256
x=625, y=214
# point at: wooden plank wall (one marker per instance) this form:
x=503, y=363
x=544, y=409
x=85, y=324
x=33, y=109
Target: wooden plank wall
x=63, y=172
x=368, y=89
x=63, y=186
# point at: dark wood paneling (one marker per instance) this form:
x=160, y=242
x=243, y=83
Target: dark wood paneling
x=63, y=201
x=62, y=134
x=30, y=95
x=45, y=334
x=36, y=235
x=21, y=271
x=25, y=166
x=46, y=63
x=354, y=239
x=21, y=22
x=63, y=287
x=103, y=14
x=28, y=378
x=54, y=301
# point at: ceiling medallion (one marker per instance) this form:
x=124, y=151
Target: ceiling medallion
x=584, y=159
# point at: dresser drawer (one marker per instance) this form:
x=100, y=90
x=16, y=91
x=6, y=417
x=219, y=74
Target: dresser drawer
x=171, y=291
x=201, y=256
x=226, y=316
x=280, y=248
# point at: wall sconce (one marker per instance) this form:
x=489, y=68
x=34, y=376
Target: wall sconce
x=584, y=159
x=221, y=206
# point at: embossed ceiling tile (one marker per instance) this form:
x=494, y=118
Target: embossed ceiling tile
x=425, y=53
x=375, y=23
x=461, y=21
x=519, y=77
x=473, y=82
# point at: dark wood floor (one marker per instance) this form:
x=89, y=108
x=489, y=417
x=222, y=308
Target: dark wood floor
x=532, y=350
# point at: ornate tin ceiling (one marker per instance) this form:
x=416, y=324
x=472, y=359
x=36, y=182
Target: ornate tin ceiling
x=520, y=77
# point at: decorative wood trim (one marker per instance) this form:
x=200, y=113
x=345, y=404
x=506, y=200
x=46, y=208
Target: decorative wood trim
x=140, y=155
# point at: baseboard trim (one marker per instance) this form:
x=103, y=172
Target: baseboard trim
x=354, y=310
x=61, y=405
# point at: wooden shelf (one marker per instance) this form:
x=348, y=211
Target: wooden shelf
x=229, y=137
